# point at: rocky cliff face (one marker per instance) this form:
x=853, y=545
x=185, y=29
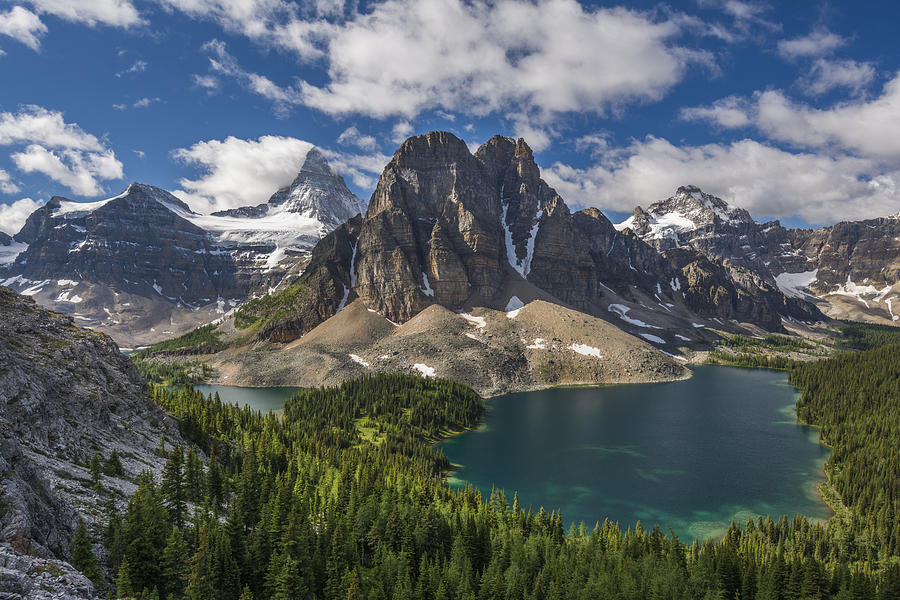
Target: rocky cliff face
x=65, y=392
x=459, y=230
x=850, y=269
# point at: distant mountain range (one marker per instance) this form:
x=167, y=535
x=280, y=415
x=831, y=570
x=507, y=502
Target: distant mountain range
x=451, y=229
x=142, y=266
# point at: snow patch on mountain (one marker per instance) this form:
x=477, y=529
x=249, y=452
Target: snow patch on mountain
x=794, y=285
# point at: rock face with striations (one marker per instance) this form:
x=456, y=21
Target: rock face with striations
x=455, y=229
x=65, y=393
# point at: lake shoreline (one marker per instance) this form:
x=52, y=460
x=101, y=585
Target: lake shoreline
x=803, y=485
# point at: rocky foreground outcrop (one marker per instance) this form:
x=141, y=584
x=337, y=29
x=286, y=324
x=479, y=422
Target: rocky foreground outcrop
x=65, y=393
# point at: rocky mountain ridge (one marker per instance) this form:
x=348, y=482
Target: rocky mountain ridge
x=451, y=232
x=143, y=266
x=65, y=393
x=850, y=269
x=445, y=226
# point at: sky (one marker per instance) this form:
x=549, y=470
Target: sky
x=788, y=109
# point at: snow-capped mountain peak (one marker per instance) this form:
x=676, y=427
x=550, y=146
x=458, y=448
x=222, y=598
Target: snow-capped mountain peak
x=687, y=210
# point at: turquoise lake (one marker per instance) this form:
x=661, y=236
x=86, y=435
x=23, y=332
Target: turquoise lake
x=692, y=455
x=261, y=399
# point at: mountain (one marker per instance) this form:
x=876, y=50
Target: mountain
x=143, y=266
x=850, y=270
x=65, y=393
x=317, y=193
x=453, y=240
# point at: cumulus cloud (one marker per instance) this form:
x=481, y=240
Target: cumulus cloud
x=22, y=25
x=400, y=131
x=526, y=61
x=550, y=56
x=730, y=112
x=115, y=13
x=817, y=43
x=353, y=137
x=868, y=127
x=7, y=185
x=766, y=180
x=13, y=215
x=236, y=172
x=827, y=75
x=79, y=171
x=62, y=151
x=277, y=23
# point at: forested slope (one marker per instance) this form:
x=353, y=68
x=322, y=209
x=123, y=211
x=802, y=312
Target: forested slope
x=344, y=498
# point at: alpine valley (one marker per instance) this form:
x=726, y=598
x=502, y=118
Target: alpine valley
x=466, y=259
x=465, y=276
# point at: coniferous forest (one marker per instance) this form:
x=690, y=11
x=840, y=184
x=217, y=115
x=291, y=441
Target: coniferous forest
x=343, y=497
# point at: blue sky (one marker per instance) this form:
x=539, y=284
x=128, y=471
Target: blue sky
x=791, y=110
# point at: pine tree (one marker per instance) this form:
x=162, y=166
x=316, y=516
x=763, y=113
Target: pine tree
x=124, y=587
x=174, y=565
x=172, y=486
x=82, y=553
x=96, y=469
x=113, y=465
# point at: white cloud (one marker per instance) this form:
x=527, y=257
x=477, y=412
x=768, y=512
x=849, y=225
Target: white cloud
x=400, y=131
x=22, y=25
x=594, y=144
x=223, y=63
x=7, y=185
x=236, y=172
x=524, y=60
x=353, y=137
x=763, y=179
x=115, y=13
x=207, y=82
x=827, y=75
x=730, y=112
x=362, y=169
x=12, y=216
x=145, y=102
x=868, y=127
x=818, y=43
x=37, y=124
x=550, y=56
x=81, y=172
x=138, y=67
x=274, y=22
x=62, y=151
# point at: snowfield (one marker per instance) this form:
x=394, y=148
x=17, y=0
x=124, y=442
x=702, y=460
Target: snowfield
x=622, y=311
x=794, y=285
x=424, y=369
x=585, y=350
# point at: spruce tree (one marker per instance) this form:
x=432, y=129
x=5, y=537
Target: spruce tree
x=82, y=553
x=174, y=565
x=113, y=465
x=124, y=587
x=172, y=486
